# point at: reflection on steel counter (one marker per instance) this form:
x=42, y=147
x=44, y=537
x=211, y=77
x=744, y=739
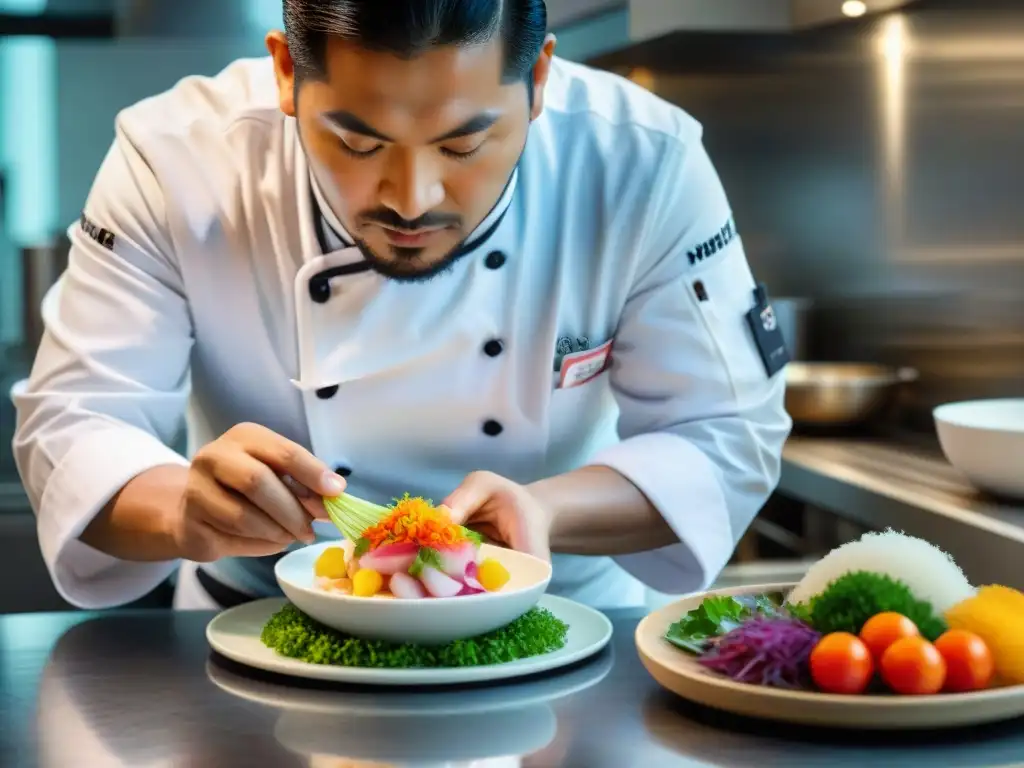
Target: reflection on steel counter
x=485, y=724
x=131, y=689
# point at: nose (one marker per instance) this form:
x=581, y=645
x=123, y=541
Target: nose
x=412, y=184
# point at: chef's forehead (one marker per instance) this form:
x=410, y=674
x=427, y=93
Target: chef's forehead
x=446, y=92
x=414, y=68
x=441, y=75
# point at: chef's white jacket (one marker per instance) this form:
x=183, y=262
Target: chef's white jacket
x=197, y=287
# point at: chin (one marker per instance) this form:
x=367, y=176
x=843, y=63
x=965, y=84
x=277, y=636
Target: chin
x=404, y=273
x=410, y=265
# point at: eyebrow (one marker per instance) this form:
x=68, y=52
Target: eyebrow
x=350, y=122
x=475, y=124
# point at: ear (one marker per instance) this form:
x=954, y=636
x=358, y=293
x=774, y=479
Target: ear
x=284, y=70
x=541, y=70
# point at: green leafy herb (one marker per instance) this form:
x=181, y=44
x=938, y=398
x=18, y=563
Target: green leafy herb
x=849, y=601
x=717, y=616
x=800, y=611
x=426, y=556
x=362, y=546
x=295, y=635
x=472, y=535
x=769, y=604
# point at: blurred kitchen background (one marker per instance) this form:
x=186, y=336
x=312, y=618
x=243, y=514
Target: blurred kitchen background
x=873, y=152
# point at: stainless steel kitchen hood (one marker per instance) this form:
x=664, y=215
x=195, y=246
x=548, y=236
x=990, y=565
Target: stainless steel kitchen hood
x=640, y=20
x=234, y=18
x=649, y=19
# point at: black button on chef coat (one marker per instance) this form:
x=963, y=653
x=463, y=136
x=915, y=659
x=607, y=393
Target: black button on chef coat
x=495, y=260
x=494, y=347
x=326, y=393
x=343, y=471
x=319, y=289
x=492, y=428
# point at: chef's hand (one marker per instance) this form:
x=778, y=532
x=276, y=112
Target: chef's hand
x=503, y=511
x=251, y=493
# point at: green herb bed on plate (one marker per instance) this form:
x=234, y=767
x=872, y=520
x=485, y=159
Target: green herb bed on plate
x=295, y=635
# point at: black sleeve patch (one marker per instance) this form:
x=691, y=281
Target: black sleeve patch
x=713, y=244
x=767, y=335
x=102, y=236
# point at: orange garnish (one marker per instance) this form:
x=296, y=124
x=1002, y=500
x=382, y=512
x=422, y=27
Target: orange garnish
x=413, y=520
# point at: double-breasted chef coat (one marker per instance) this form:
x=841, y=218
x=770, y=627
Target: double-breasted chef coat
x=207, y=280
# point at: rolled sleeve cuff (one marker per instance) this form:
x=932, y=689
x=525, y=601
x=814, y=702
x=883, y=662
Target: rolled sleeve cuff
x=90, y=474
x=683, y=485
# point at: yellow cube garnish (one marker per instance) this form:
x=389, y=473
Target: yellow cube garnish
x=492, y=575
x=331, y=564
x=366, y=583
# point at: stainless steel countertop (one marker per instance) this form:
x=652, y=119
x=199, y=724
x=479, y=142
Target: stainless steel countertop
x=910, y=487
x=140, y=688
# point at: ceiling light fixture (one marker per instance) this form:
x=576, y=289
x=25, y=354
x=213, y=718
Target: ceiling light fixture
x=854, y=8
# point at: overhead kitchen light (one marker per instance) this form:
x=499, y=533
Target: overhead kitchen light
x=642, y=77
x=854, y=8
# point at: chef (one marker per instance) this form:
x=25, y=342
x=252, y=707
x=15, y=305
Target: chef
x=409, y=251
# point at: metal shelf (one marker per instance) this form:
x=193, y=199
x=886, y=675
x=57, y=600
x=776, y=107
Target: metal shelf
x=881, y=484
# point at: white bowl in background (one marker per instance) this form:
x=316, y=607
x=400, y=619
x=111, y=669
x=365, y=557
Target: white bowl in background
x=428, y=621
x=984, y=439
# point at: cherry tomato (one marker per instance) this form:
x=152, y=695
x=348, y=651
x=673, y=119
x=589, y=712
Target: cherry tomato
x=969, y=662
x=884, y=629
x=913, y=666
x=841, y=663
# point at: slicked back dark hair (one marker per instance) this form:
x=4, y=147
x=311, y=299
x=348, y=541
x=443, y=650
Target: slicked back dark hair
x=407, y=28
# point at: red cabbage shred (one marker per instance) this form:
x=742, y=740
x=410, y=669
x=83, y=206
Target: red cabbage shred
x=765, y=651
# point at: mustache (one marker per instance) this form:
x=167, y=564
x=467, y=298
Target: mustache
x=390, y=219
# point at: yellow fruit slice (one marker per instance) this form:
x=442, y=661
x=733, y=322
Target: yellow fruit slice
x=492, y=575
x=366, y=583
x=996, y=614
x=1011, y=599
x=331, y=564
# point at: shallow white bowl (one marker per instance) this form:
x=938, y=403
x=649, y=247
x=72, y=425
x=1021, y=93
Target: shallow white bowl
x=984, y=439
x=430, y=621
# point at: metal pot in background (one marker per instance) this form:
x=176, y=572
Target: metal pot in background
x=41, y=267
x=843, y=394
x=792, y=315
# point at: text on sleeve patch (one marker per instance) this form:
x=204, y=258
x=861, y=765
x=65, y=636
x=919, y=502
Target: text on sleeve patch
x=102, y=236
x=713, y=244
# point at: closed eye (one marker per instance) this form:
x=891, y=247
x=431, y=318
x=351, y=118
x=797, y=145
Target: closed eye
x=461, y=155
x=360, y=152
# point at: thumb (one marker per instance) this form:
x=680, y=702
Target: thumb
x=466, y=500
x=311, y=502
x=315, y=506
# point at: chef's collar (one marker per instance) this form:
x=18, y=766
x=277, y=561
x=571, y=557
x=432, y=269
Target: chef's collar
x=329, y=232
x=332, y=236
